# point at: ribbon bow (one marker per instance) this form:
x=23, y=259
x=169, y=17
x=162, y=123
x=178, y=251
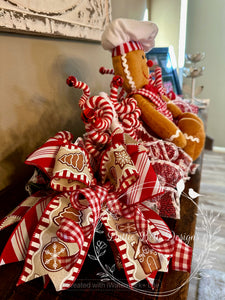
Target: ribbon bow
x=65, y=227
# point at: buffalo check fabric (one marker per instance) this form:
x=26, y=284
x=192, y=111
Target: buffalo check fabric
x=164, y=241
x=182, y=256
x=70, y=232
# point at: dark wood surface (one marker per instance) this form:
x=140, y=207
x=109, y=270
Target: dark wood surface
x=185, y=227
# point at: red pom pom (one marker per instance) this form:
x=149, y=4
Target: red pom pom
x=102, y=70
x=87, y=115
x=117, y=81
x=150, y=63
x=71, y=81
x=171, y=95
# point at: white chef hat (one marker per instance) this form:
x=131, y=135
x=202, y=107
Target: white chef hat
x=124, y=35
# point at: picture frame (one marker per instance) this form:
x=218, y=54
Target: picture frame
x=164, y=57
x=71, y=19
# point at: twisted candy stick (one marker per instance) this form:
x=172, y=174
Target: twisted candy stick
x=158, y=81
x=127, y=110
x=103, y=70
x=127, y=106
x=104, y=112
x=98, y=137
x=175, y=111
x=96, y=130
x=130, y=123
x=91, y=148
x=116, y=82
x=72, y=81
x=97, y=116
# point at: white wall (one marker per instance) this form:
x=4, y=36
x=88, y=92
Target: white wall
x=206, y=32
x=131, y=9
x=166, y=14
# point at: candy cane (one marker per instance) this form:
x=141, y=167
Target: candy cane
x=127, y=106
x=120, y=107
x=103, y=70
x=116, y=83
x=122, y=94
x=95, y=131
x=151, y=80
x=72, y=81
x=127, y=110
x=158, y=80
x=98, y=138
x=101, y=116
x=129, y=129
x=131, y=122
x=91, y=148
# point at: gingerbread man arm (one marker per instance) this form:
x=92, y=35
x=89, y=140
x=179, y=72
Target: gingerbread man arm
x=161, y=125
x=173, y=108
x=193, y=129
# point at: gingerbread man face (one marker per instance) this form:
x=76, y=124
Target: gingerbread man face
x=133, y=68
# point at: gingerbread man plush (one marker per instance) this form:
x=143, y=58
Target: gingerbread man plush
x=128, y=40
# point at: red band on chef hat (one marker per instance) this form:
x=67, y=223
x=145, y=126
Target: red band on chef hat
x=127, y=47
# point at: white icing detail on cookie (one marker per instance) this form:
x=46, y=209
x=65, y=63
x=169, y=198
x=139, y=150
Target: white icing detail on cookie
x=176, y=135
x=190, y=137
x=127, y=72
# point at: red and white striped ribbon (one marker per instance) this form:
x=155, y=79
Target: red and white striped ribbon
x=17, y=245
x=44, y=157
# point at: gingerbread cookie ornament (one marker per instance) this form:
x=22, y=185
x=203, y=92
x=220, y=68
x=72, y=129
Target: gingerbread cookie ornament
x=128, y=40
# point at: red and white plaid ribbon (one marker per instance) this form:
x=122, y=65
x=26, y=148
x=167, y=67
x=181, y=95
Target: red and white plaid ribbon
x=160, y=104
x=70, y=232
x=167, y=244
x=150, y=225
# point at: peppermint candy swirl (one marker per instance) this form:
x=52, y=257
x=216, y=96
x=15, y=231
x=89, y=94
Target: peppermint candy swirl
x=103, y=112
